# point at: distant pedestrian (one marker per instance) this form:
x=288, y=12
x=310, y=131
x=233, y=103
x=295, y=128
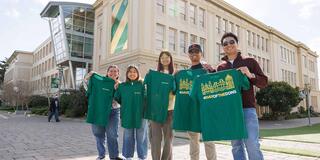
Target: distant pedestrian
x=54, y=108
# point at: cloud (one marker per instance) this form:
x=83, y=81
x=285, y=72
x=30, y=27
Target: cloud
x=13, y=12
x=306, y=7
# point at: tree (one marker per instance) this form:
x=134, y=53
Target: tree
x=3, y=67
x=279, y=96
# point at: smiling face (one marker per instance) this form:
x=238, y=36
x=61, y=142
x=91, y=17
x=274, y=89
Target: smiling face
x=132, y=74
x=230, y=46
x=165, y=60
x=195, y=56
x=113, y=73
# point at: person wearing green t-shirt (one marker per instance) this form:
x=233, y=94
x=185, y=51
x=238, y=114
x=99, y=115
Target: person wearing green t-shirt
x=130, y=95
x=251, y=69
x=218, y=95
x=108, y=124
x=160, y=111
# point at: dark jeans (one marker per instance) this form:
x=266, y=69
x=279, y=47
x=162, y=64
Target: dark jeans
x=56, y=115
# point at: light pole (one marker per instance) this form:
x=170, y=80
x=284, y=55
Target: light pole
x=307, y=89
x=16, y=89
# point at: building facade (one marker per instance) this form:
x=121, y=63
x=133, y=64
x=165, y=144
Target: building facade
x=71, y=26
x=134, y=32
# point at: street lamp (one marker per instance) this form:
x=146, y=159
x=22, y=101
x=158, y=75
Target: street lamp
x=307, y=89
x=16, y=89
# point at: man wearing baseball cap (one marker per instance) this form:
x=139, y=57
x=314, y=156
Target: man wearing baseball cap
x=195, y=55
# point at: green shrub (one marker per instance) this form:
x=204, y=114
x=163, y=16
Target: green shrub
x=40, y=110
x=74, y=104
x=38, y=101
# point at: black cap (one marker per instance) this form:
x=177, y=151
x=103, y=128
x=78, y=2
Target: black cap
x=194, y=47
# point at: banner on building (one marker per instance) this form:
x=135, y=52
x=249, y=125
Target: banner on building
x=119, y=30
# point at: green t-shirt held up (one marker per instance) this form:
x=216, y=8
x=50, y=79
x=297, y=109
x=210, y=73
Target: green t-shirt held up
x=100, y=95
x=219, y=97
x=131, y=96
x=186, y=115
x=159, y=85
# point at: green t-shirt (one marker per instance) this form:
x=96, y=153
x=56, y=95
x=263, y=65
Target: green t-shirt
x=130, y=95
x=186, y=115
x=219, y=97
x=159, y=85
x=100, y=95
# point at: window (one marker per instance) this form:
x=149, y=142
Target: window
x=305, y=61
x=262, y=43
x=172, y=7
x=192, y=12
x=172, y=39
x=160, y=37
x=218, y=24
x=193, y=39
x=249, y=37
x=237, y=31
x=305, y=79
x=183, y=9
x=201, y=17
x=231, y=27
x=203, y=45
x=224, y=26
x=183, y=42
x=267, y=45
x=268, y=66
x=253, y=40
x=311, y=66
x=258, y=41
x=160, y=6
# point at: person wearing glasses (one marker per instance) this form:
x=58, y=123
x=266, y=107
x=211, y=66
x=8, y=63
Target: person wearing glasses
x=250, y=68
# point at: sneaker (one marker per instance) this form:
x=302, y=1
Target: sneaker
x=58, y=120
x=100, y=158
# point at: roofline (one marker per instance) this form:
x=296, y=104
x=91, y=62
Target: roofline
x=51, y=3
x=15, y=53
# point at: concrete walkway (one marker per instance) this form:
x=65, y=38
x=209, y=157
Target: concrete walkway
x=292, y=123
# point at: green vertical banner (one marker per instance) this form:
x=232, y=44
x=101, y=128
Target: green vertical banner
x=55, y=82
x=119, y=30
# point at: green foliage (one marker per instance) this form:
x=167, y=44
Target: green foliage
x=41, y=110
x=38, y=101
x=74, y=104
x=279, y=96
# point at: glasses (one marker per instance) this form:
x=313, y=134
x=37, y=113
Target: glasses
x=231, y=42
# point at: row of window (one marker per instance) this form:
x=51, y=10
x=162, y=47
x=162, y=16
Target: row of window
x=287, y=55
x=42, y=52
x=43, y=83
x=311, y=65
x=311, y=81
x=43, y=67
x=172, y=44
x=257, y=41
x=182, y=9
x=289, y=77
x=263, y=62
x=223, y=26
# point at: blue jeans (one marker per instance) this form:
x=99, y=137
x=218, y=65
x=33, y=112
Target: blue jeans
x=56, y=115
x=140, y=136
x=112, y=131
x=252, y=142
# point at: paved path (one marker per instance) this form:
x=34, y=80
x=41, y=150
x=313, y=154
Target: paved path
x=288, y=123
x=33, y=138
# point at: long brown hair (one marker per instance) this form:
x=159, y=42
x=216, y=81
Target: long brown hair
x=128, y=70
x=160, y=66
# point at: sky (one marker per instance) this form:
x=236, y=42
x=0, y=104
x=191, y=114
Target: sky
x=22, y=28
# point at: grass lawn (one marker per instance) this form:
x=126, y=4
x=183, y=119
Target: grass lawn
x=307, y=134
